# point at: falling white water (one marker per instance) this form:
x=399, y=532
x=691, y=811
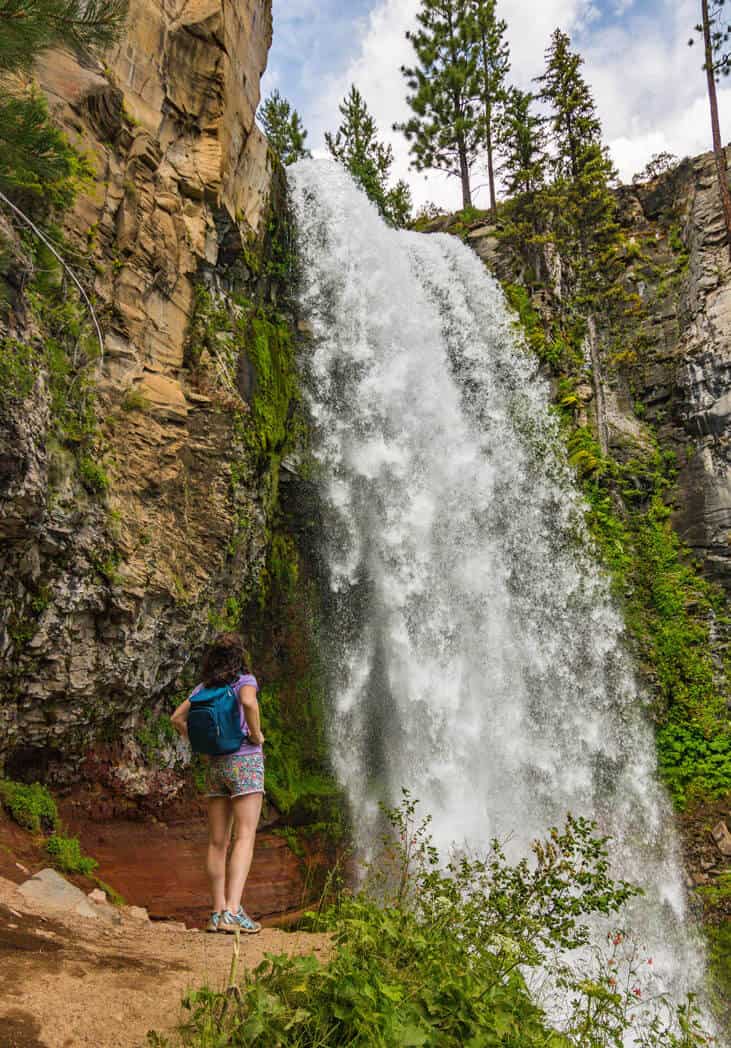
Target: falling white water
x=479, y=660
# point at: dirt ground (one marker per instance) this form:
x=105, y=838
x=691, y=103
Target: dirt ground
x=84, y=983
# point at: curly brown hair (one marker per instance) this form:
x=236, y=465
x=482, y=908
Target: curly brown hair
x=223, y=660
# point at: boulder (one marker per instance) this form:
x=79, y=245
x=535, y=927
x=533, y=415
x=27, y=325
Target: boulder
x=722, y=837
x=49, y=890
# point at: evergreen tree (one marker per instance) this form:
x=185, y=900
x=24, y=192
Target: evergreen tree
x=492, y=68
x=582, y=204
x=28, y=27
x=284, y=129
x=716, y=34
x=521, y=141
x=37, y=163
x=573, y=122
x=443, y=131
x=356, y=145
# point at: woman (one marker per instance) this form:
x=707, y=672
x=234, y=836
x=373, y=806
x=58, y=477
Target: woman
x=235, y=786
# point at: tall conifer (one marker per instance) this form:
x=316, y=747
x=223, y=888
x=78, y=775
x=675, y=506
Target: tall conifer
x=492, y=66
x=521, y=141
x=284, y=129
x=443, y=131
x=356, y=145
x=573, y=120
x=584, y=208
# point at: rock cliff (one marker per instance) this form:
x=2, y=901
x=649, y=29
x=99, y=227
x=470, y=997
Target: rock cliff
x=136, y=493
x=677, y=384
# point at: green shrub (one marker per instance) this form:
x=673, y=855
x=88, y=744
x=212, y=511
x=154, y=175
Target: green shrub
x=32, y=806
x=427, y=956
x=67, y=856
x=93, y=476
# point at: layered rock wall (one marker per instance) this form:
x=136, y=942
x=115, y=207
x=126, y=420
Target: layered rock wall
x=106, y=594
x=677, y=385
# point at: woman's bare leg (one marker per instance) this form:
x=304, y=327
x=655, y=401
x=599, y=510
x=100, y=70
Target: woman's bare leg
x=219, y=834
x=246, y=812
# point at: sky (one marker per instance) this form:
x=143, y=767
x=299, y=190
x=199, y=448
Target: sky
x=648, y=84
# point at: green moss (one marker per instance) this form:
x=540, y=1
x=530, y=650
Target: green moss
x=669, y=608
x=298, y=787
x=31, y=806
x=155, y=734
x=19, y=370
x=66, y=855
x=718, y=937
x=557, y=346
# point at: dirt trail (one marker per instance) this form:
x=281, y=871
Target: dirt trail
x=73, y=983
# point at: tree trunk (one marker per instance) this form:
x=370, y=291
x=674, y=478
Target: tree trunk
x=718, y=149
x=464, y=170
x=491, y=171
x=487, y=102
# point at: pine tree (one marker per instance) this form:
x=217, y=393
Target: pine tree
x=521, y=141
x=28, y=27
x=573, y=122
x=716, y=36
x=284, y=129
x=584, y=208
x=356, y=145
x=443, y=131
x=37, y=163
x=492, y=68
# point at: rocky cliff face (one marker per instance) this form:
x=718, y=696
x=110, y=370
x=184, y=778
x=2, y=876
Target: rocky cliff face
x=677, y=385
x=124, y=535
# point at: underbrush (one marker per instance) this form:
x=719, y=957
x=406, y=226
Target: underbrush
x=33, y=808
x=475, y=955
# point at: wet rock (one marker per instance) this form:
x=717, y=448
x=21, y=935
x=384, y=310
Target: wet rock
x=105, y=598
x=722, y=837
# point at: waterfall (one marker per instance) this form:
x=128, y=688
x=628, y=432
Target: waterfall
x=478, y=657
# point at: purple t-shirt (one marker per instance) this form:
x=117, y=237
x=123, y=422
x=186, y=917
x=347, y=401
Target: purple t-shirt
x=240, y=682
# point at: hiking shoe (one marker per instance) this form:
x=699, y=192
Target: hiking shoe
x=214, y=922
x=232, y=922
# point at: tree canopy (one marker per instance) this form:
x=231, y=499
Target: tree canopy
x=357, y=146
x=38, y=166
x=284, y=129
x=443, y=132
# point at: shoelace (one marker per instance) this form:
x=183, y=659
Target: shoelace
x=241, y=918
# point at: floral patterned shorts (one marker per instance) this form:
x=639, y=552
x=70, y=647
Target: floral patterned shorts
x=235, y=775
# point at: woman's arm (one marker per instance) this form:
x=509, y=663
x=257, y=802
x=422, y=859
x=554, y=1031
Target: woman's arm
x=247, y=698
x=180, y=718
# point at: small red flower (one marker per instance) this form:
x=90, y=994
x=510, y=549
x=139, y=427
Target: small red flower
x=636, y=991
x=649, y=960
x=617, y=939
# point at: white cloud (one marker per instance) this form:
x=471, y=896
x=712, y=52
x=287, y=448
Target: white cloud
x=648, y=84
x=384, y=49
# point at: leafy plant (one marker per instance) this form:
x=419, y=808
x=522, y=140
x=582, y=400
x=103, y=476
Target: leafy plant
x=31, y=806
x=67, y=856
x=427, y=955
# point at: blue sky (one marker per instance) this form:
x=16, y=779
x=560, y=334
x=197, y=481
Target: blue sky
x=648, y=84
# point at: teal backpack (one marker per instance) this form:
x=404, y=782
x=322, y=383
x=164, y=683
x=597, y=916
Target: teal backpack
x=214, y=721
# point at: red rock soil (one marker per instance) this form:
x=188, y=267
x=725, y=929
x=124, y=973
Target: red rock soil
x=76, y=983
x=66, y=983
x=155, y=858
